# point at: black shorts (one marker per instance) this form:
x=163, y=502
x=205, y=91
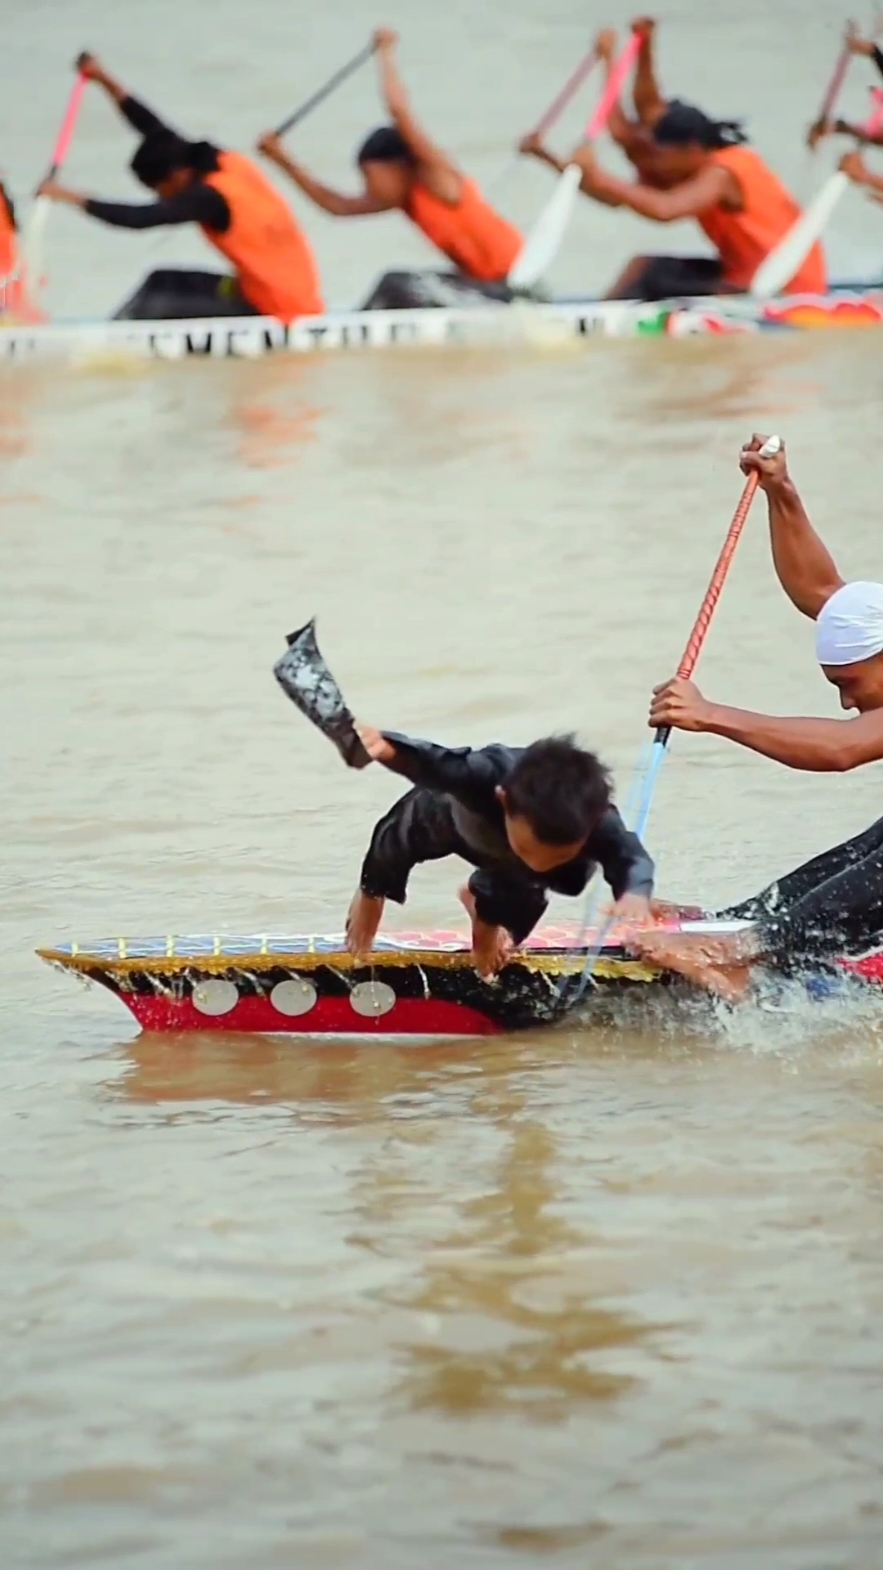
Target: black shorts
x=828, y=909
x=677, y=278
x=413, y=291
x=174, y=294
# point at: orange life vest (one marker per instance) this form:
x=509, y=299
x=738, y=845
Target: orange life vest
x=472, y=235
x=274, y=264
x=745, y=239
x=13, y=299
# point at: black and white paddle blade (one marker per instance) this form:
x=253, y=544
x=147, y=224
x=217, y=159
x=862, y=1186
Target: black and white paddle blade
x=304, y=676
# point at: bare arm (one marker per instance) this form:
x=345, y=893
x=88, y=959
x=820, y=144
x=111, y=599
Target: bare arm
x=648, y=100
x=136, y=114
x=90, y=66
x=712, y=186
x=861, y=46
x=532, y=147
x=817, y=746
x=333, y=202
x=438, y=172
x=861, y=134
x=871, y=181
x=804, y=566
x=619, y=126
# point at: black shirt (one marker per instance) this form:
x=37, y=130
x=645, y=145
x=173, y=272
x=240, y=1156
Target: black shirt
x=474, y=827
x=199, y=204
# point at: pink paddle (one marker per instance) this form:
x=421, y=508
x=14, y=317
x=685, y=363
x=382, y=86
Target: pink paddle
x=839, y=75
x=62, y=146
x=559, y=104
x=32, y=246
x=613, y=89
x=544, y=241
x=556, y=108
x=785, y=261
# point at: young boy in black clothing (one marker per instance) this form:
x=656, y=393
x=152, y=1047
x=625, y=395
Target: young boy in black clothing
x=529, y=819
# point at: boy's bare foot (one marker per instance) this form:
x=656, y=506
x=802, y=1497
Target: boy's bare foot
x=491, y=946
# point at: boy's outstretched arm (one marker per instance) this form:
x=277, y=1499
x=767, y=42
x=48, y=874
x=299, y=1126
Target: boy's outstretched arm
x=626, y=865
x=417, y=828
x=464, y=772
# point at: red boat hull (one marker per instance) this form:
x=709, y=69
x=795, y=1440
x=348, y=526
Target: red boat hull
x=328, y=1017
x=415, y=984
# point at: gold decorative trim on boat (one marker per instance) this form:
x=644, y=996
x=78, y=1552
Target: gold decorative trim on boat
x=548, y=963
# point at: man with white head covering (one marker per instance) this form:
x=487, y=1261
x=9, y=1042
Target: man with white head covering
x=833, y=905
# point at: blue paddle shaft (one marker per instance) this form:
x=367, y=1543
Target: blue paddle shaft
x=659, y=747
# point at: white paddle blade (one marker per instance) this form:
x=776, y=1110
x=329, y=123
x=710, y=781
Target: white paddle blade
x=32, y=245
x=544, y=241
x=780, y=266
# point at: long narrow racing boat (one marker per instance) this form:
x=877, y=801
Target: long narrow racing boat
x=522, y=321
x=415, y=985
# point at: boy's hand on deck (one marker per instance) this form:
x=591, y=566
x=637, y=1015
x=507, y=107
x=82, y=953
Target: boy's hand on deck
x=363, y=919
x=663, y=910
x=633, y=907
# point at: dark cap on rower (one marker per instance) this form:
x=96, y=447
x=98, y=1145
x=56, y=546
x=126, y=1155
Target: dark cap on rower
x=683, y=124
x=386, y=145
x=162, y=152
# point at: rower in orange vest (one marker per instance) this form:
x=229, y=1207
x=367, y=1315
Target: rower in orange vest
x=403, y=169
x=238, y=210
x=15, y=301
x=634, y=135
x=10, y=282
x=701, y=169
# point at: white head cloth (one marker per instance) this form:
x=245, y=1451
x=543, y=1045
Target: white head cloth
x=850, y=626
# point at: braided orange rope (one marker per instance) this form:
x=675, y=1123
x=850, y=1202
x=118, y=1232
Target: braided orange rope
x=718, y=579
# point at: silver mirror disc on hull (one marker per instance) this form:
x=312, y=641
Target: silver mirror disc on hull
x=372, y=999
x=293, y=998
x=215, y=997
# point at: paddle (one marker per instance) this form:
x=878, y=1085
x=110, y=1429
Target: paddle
x=834, y=86
x=556, y=108
x=574, y=81
x=685, y=671
x=786, y=259
x=32, y=246
x=306, y=108
x=333, y=82
x=303, y=674
x=701, y=625
x=544, y=241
